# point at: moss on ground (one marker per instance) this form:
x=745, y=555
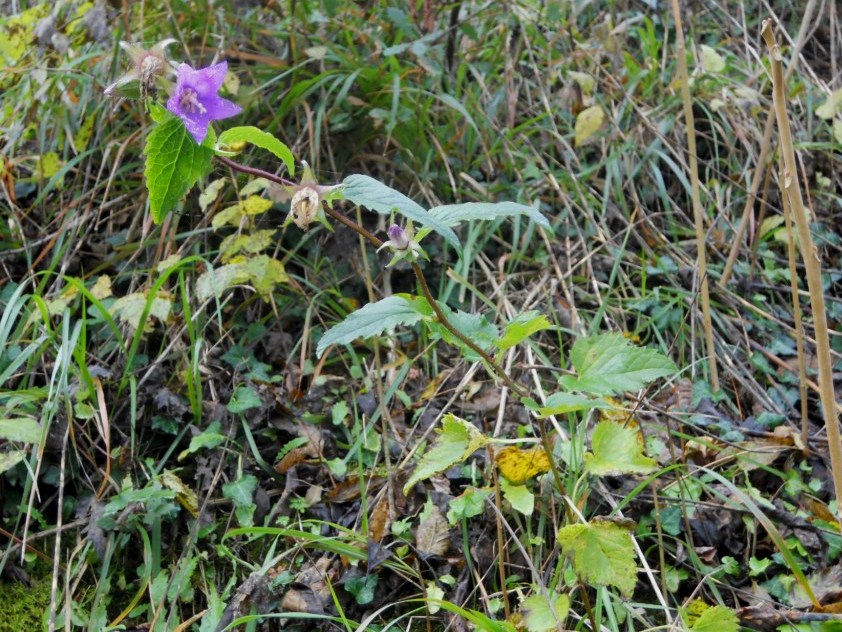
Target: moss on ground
x=22, y=607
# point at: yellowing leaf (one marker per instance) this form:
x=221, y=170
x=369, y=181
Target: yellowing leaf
x=457, y=440
x=588, y=122
x=48, y=165
x=435, y=595
x=831, y=106
x=254, y=205
x=266, y=274
x=231, y=83
x=210, y=193
x=102, y=287
x=711, y=60
x=250, y=242
x=83, y=136
x=585, y=81
x=603, y=554
x=129, y=309
x=539, y=615
x=837, y=131
x=518, y=466
x=617, y=449
x=716, y=619
x=214, y=282
x=185, y=496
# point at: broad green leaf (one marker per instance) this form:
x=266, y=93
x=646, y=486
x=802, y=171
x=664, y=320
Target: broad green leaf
x=521, y=327
x=457, y=441
x=210, y=438
x=603, y=554
x=539, y=615
x=370, y=320
x=608, y=363
x=588, y=121
x=453, y=214
x=716, y=619
x=831, y=106
x=376, y=196
x=241, y=492
x=215, y=281
x=174, y=162
x=244, y=398
x=264, y=140
x=617, y=449
x=23, y=429
x=475, y=326
x=129, y=309
x=563, y=402
x=520, y=498
x=711, y=60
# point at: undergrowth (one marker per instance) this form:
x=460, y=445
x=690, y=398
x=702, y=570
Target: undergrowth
x=183, y=451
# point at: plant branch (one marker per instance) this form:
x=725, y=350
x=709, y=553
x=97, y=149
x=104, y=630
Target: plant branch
x=419, y=274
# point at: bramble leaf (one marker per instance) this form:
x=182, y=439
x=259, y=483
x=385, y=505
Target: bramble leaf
x=521, y=327
x=603, y=554
x=457, y=440
x=174, y=162
x=370, y=320
x=453, y=214
x=376, y=196
x=608, y=363
x=264, y=140
x=617, y=449
x=539, y=616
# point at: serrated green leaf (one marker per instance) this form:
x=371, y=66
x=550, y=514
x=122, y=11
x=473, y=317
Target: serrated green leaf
x=174, y=162
x=539, y=616
x=603, y=554
x=716, y=619
x=519, y=496
x=617, y=449
x=264, y=140
x=608, y=363
x=376, y=196
x=370, y=320
x=22, y=429
x=475, y=326
x=521, y=327
x=563, y=402
x=457, y=440
x=469, y=504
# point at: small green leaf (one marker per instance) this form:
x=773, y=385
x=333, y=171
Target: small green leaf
x=23, y=429
x=244, y=398
x=520, y=498
x=241, y=493
x=362, y=588
x=716, y=619
x=521, y=327
x=711, y=60
x=539, y=616
x=376, y=196
x=603, y=554
x=469, y=504
x=608, y=363
x=563, y=402
x=174, y=162
x=370, y=320
x=210, y=438
x=262, y=139
x=617, y=449
x=457, y=441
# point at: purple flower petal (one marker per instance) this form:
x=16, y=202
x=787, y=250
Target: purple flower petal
x=195, y=100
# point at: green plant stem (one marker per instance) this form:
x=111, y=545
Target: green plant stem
x=419, y=274
x=791, y=188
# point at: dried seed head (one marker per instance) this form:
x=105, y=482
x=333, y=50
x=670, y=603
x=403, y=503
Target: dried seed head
x=304, y=208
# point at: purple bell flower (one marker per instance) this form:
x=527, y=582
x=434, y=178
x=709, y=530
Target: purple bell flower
x=195, y=100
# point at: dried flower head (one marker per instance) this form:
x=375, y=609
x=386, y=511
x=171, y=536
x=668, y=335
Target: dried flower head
x=195, y=100
x=305, y=207
x=147, y=68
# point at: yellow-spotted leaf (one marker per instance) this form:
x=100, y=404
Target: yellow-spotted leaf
x=603, y=554
x=518, y=466
x=588, y=122
x=617, y=449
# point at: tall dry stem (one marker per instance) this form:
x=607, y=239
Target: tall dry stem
x=791, y=189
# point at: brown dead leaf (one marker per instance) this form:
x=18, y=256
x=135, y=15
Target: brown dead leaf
x=291, y=459
x=433, y=534
x=378, y=524
x=349, y=489
x=310, y=591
